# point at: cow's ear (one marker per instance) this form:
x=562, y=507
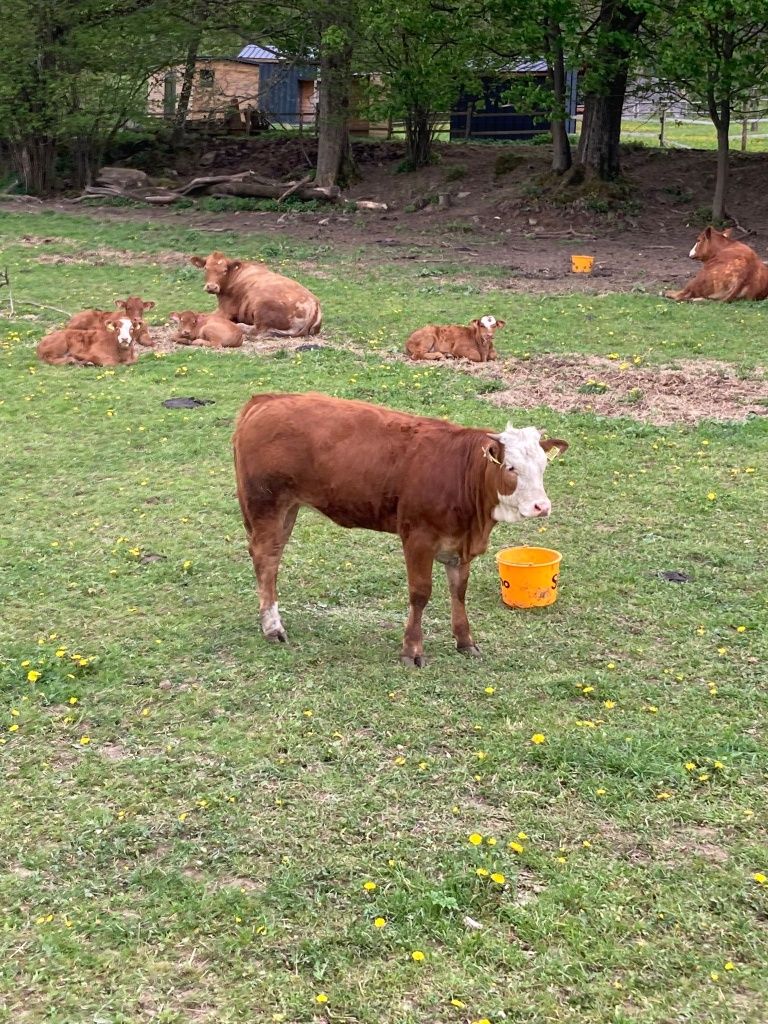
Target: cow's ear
x=176, y=317
x=475, y=323
x=234, y=265
x=708, y=232
x=197, y=261
x=554, y=444
x=149, y=305
x=501, y=323
x=120, y=303
x=728, y=233
x=494, y=450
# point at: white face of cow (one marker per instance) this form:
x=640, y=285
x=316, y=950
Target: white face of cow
x=524, y=456
x=124, y=334
x=488, y=321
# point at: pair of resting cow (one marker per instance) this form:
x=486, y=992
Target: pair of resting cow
x=248, y=293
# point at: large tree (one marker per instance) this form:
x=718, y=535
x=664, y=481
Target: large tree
x=715, y=53
x=609, y=48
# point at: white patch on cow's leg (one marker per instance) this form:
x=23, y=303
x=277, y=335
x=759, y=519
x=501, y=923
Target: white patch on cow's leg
x=271, y=624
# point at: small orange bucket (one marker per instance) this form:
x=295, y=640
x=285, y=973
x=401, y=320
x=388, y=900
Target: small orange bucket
x=529, y=576
x=582, y=264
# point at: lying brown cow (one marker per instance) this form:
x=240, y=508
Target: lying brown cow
x=732, y=270
x=109, y=345
x=206, y=329
x=455, y=342
x=441, y=487
x=249, y=293
x=133, y=307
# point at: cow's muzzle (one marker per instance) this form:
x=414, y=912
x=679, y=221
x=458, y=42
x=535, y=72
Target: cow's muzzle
x=212, y=288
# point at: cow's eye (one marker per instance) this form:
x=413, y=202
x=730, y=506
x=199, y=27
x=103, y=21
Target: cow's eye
x=511, y=469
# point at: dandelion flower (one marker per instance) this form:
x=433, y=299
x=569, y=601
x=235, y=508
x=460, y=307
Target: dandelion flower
x=417, y=955
x=458, y=1004
x=369, y=886
x=33, y=676
x=760, y=878
x=741, y=629
x=516, y=847
x=538, y=737
x=729, y=965
x=498, y=878
x=321, y=998
x=476, y=839
x=379, y=922
x=714, y=975
x=490, y=690
x=600, y=792
x=711, y=496
x=13, y=728
x=84, y=741
x=689, y=766
x=482, y=872
x=609, y=704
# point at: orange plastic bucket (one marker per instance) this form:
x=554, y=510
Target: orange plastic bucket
x=582, y=264
x=528, y=576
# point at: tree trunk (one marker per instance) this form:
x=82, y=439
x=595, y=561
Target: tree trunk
x=719, y=211
x=334, y=157
x=561, y=145
x=618, y=24
x=182, y=107
x=34, y=160
x=418, y=139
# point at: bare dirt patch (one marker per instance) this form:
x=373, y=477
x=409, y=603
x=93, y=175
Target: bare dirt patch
x=104, y=256
x=686, y=392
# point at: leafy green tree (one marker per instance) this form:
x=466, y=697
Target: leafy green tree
x=715, y=53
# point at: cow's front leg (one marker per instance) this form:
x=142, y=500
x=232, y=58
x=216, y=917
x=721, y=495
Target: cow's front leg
x=458, y=577
x=418, y=561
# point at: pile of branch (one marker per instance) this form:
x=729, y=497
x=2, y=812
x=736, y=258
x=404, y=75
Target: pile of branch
x=247, y=183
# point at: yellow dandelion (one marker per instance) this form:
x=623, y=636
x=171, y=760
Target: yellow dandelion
x=369, y=886
x=729, y=965
x=498, y=878
x=13, y=728
x=611, y=665
x=476, y=839
x=33, y=676
x=689, y=766
x=321, y=998
x=741, y=629
x=600, y=791
x=417, y=955
x=400, y=761
x=760, y=878
x=663, y=796
x=490, y=841
x=379, y=922
x=711, y=496
x=482, y=872
x=538, y=737
x=458, y=1004
x=522, y=835
x=84, y=741
x=718, y=764
x=609, y=704
x=714, y=975
x=515, y=847
x=587, y=689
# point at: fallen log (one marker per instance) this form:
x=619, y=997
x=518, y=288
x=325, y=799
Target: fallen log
x=277, y=190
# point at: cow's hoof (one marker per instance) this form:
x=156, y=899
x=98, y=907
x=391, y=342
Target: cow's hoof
x=473, y=651
x=277, y=636
x=417, y=662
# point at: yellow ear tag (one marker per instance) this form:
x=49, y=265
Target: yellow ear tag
x=552, y=453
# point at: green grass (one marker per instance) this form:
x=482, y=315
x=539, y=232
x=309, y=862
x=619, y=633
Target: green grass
x=202, y=857
x=690, y=136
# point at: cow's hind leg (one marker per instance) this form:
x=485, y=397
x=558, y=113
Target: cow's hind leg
x=458, y=577
x=267, y=538
x=418, y=560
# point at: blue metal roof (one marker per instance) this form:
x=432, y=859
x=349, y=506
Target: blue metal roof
x=257, y=53
x=529, y=67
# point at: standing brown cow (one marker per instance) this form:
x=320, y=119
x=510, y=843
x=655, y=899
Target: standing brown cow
x=456, y=342
x=109, y=345
x=133, y=307
x=249, y=293
x=441, y=487
x=732, y=270
x=209, y=329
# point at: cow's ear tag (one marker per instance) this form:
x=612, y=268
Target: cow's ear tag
x=553, y=453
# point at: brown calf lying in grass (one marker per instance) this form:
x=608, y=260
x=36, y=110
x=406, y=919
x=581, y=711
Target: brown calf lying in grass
x=209, y=329
x=455, y=342
x=133, y=307
x=732, y=270
x=109, y=345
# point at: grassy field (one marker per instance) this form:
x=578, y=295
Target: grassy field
x=689, y=135
x=200, y=827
